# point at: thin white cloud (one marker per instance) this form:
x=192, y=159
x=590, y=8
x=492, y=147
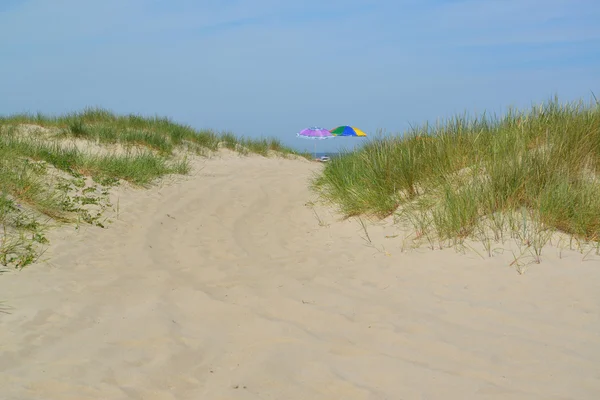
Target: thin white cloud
x=499, y=22
x=47, y=21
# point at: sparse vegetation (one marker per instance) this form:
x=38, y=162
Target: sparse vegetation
x=61, y=168
x=522, y=177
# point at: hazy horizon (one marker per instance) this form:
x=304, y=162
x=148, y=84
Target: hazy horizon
x=267, y=68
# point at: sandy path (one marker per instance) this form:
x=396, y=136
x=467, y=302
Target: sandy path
x=225, y=286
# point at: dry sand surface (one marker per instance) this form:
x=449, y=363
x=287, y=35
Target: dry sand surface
x=225, y=286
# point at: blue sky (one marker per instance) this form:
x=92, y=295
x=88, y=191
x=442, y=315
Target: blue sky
x=267, y=67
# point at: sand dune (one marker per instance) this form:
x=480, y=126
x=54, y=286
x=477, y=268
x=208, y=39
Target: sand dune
x=226, y=286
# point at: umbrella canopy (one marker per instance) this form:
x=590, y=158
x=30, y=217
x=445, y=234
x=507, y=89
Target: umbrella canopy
x=315, y=133
x=346, y=130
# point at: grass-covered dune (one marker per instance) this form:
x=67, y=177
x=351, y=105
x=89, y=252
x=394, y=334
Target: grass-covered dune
x=59, y=168
x=483, y=176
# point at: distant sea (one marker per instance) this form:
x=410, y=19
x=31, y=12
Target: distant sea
x=328, y=154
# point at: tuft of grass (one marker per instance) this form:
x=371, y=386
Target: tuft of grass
x=467, y=176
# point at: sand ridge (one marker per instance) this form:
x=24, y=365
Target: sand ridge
x=226, y=286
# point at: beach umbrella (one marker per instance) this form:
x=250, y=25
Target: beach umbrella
x=346, y=130
x=315, y=133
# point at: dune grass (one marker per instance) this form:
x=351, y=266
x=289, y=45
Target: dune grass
x=466, y=176
x=23, y=198
x=156, y=133
x=46, y=167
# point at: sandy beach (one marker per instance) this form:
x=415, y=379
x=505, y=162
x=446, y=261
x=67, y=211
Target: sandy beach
x=228, y=284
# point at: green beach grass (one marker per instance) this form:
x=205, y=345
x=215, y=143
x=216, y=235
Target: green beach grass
x=526, y=174
x=59, y=168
